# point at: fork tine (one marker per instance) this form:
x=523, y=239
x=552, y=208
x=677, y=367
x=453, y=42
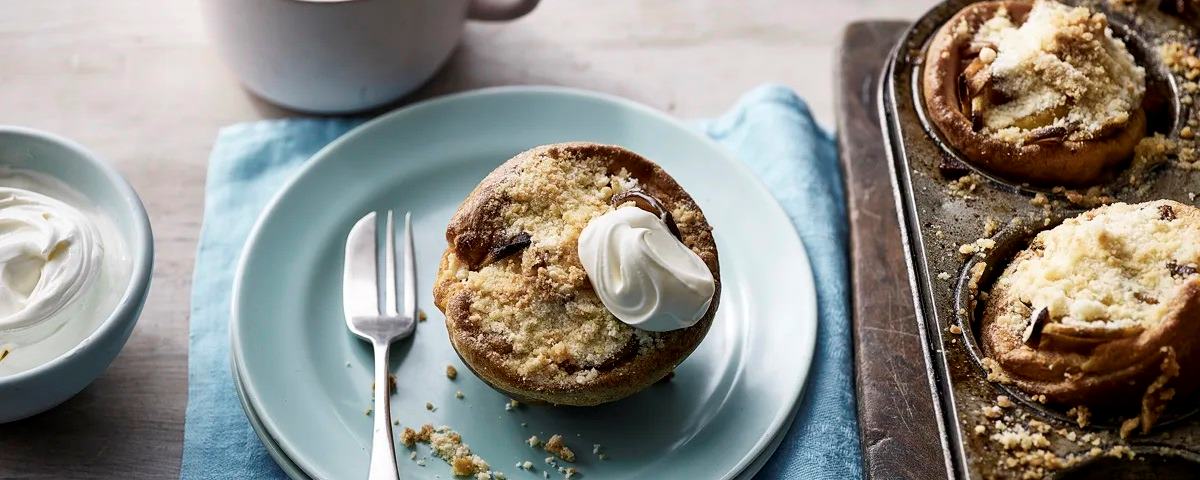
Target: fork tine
x=410, y=270
x=389, y=269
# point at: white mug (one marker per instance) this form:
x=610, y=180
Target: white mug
x=338, y=56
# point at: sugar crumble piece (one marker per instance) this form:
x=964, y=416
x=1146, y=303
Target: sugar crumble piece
x=458, y=394
x=451, y=372
x=943, y=276
x=421, y=316
x=448, y=445
x=534, y=441
x=955, y=329
x=1082, y=415
x=429, y=406
x=511, y=404
x=1003, y=401
x=369, y=412
x=559, y=448
x=391, y=385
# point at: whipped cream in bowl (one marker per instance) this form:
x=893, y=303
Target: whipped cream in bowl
x=60, y=263
x=642, y=273
x=75, y=259
x=49, y=253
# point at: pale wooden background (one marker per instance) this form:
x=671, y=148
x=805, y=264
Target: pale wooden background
x=137, y=81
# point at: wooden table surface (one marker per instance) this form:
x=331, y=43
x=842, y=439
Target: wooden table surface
x=138, y=82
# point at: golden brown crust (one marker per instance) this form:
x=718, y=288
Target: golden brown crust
x=1057, y=162
x=482, y=222
x=1148, y=361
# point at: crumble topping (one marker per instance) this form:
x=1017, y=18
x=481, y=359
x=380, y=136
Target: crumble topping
x=541, y=301
x=1109, y=267
x=1060, y=74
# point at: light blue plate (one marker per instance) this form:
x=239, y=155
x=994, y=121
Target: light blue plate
x=718, y=418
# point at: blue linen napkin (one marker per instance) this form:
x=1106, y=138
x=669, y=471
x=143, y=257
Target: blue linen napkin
x=770, y=129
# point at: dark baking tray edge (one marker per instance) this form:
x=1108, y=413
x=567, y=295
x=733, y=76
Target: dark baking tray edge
x=915, y=259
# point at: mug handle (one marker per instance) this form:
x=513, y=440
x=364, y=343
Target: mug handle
x=495, y=10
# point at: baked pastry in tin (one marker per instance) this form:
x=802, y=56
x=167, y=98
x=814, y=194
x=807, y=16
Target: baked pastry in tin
x=1035, y=92
x=1102, y=311
x=520, y=308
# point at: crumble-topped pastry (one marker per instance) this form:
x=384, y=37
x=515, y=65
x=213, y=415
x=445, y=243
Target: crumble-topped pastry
x=1061, y=69
x=1038, y=91
x=1103, y=310
x=520, y=308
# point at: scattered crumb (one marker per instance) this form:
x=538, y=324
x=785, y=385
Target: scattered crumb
x=980, y=429
x=978, y=246
x=955, y=329
x=429, y=406
x=395, y=422
x=943, y=276
x=990, y=226
x=458, y=394
x=448, y=445
x=391, y=385
x=511, y=405
x=1128, y=426
x=1081, y=413
x=964, y=186
x=451, y=372
x=534, y=441
x=1003, y=401
x=347, y=363
x=421, y=316
x=559, y=448
x=527, y=465
x=369, y=412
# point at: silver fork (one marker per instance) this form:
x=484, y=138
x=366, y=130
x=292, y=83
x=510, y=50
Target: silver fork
x=379, y=324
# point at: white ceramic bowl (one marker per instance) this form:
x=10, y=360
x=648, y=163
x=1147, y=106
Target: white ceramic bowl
x=36, y=390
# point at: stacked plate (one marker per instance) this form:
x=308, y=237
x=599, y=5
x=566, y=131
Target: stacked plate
x=305, y=382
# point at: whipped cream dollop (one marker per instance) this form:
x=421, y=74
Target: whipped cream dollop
x=644, y=275
x=64, y=267
x=49, y=252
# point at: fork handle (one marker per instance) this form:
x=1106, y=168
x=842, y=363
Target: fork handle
x=383, y=449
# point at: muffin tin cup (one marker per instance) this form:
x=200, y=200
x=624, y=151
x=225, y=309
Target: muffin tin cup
x=936, y=221
x=1164, y=111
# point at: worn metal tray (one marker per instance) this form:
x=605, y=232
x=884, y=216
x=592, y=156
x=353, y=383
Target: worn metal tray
x=938, y=215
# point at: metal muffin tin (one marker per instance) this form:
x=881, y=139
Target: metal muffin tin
x=936, y=222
